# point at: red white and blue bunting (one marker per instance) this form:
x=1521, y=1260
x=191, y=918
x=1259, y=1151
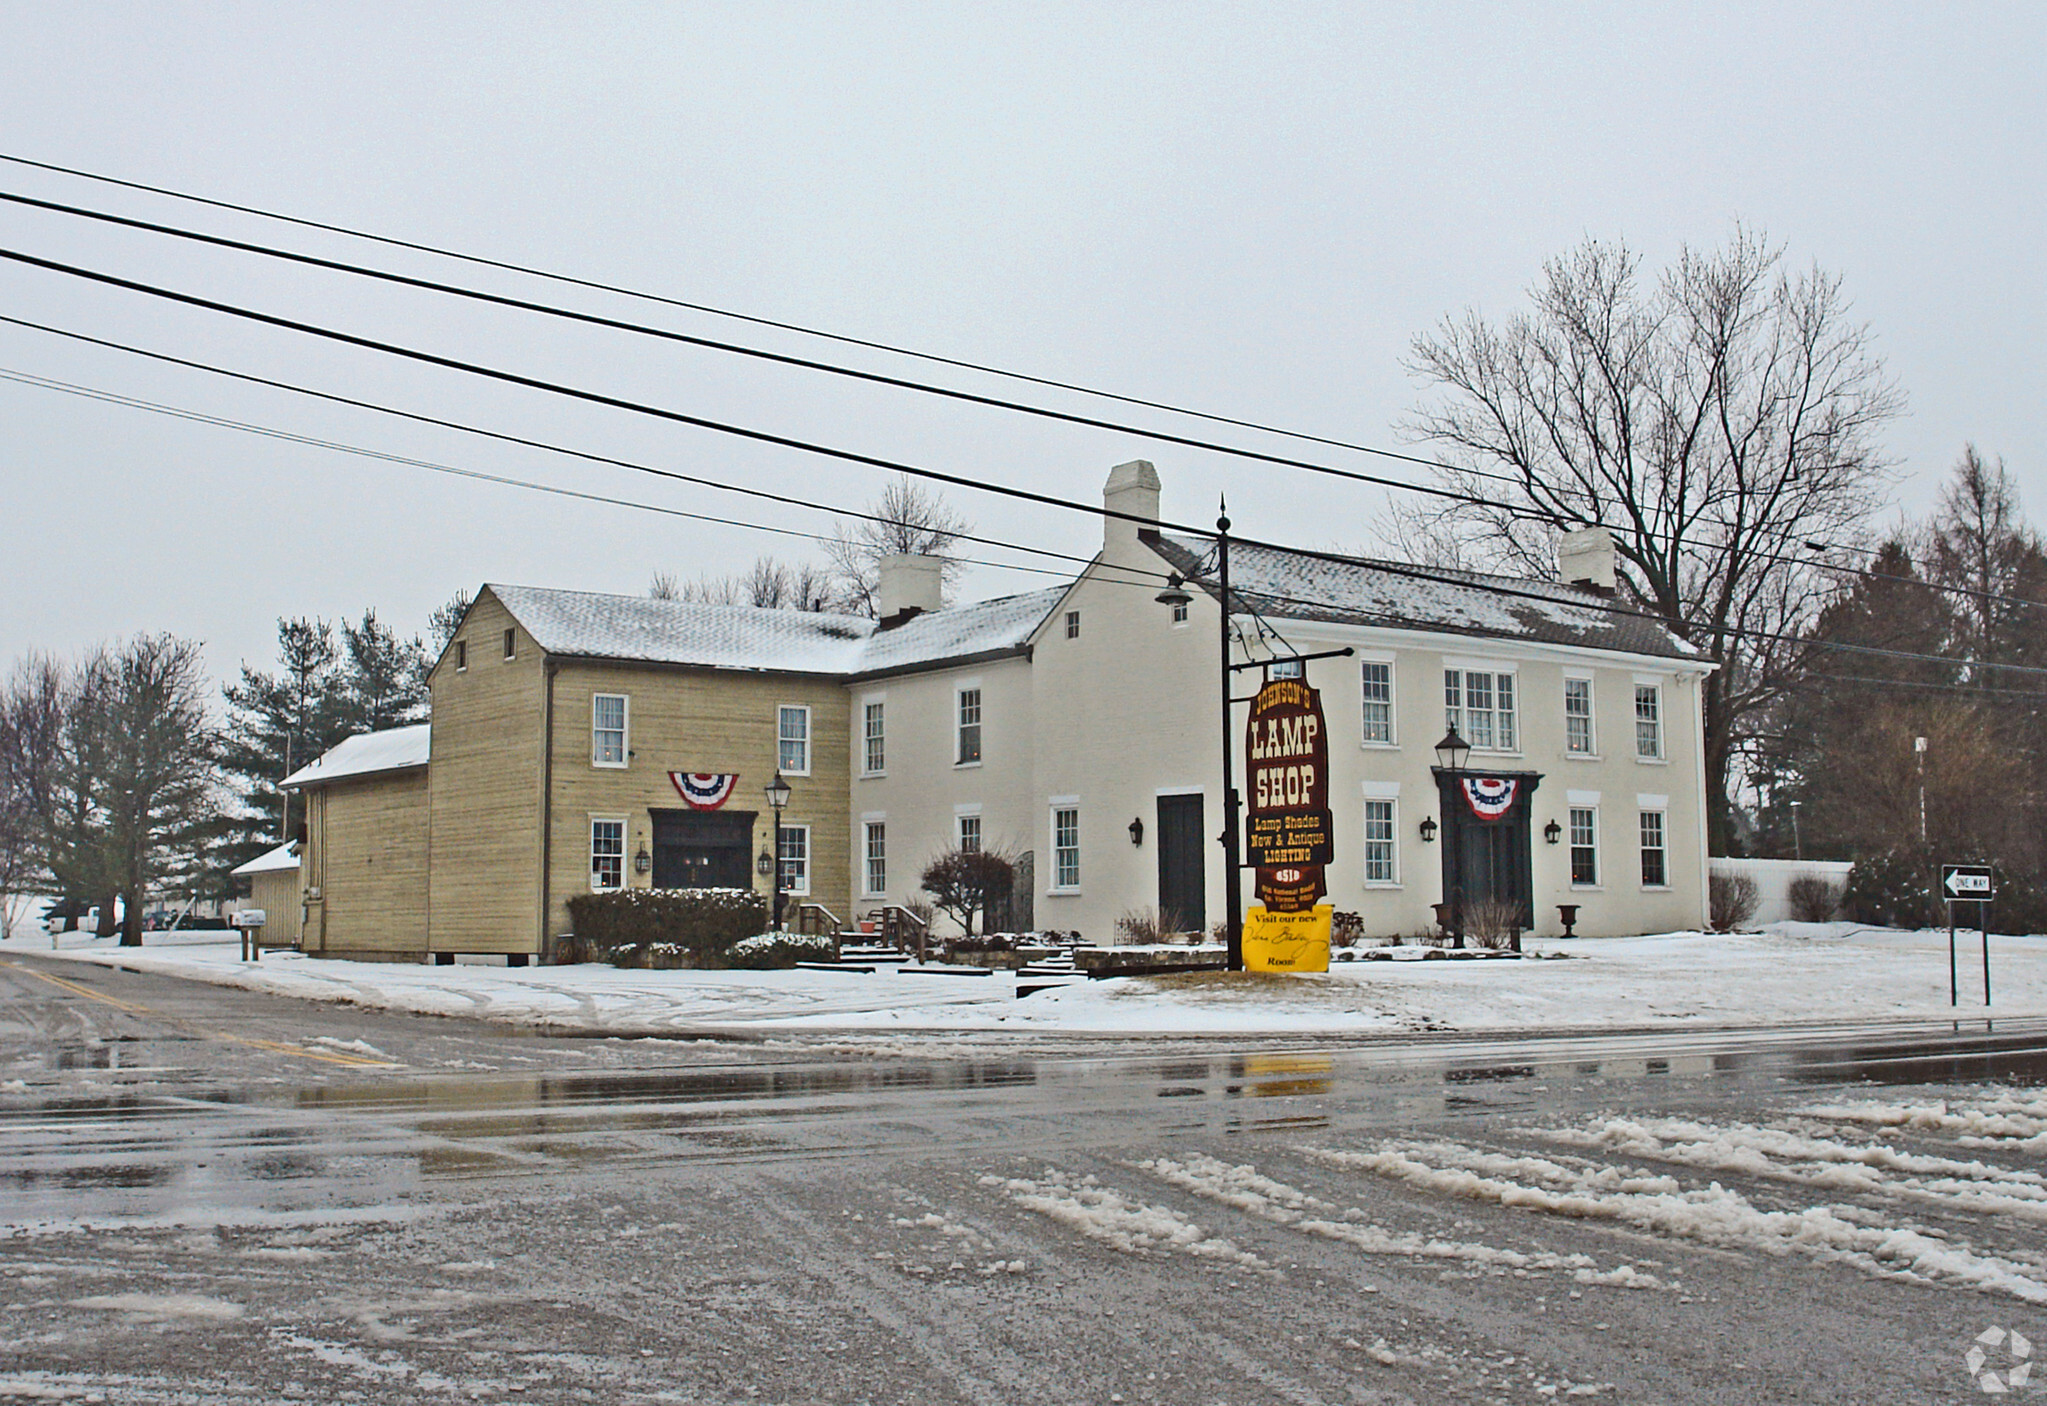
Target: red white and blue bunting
x=1490, y=797
x=704, y=790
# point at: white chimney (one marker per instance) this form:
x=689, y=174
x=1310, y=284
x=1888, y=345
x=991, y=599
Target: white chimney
x=1132, y=489
x=1585, y=558
x=910, y=585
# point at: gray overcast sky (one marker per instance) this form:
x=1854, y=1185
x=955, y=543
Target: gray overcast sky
x=1249, y=209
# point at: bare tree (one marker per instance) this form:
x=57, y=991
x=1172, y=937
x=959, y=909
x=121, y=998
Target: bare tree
x=1715, y=420
x=769, y=584
x=1979, y=543
x=907, y=518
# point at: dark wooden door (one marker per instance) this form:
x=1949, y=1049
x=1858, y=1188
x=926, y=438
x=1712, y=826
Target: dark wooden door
x=1495, y=862
x=1183, y=889
x=703, y=849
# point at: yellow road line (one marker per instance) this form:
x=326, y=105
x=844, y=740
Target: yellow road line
x=273, y=1046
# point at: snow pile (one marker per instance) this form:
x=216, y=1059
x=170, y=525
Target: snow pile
x=2015, y=1120
x=1119, y=1221
x=1712, y=1214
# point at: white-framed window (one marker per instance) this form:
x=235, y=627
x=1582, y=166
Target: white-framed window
x=873, y=737
x=511, y=644
x=607, y=854
x=608, y=715
x=461, y=656
x=1376, y=678
x=874, y=858
x=792, y=851
x=969, y=701
x=1073, y=624
x=1382, y=859
x=1180, y=612
x=1065, y=846
x=1286, y=669
x=1655, y=862
x=1479, y=705
x=1578, y=740
x=1649, y=721
x=1584, y=839
x=969, y=838
x=792, y=739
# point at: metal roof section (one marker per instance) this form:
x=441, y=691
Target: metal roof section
x=285, y=856
x=1289, y=585
x=367, y=754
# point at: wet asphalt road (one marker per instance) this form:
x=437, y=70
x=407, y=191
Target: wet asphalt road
x=208, y=1196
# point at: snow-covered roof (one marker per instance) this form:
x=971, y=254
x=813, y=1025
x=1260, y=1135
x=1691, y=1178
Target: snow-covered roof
x=285, y=856
x=582, y=624
x=1357, y=591
x=958, y=633
x=394, y=749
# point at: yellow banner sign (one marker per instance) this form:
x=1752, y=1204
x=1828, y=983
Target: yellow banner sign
x=1287, y=942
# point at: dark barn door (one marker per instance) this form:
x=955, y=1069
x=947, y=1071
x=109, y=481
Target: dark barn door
x=703, y=849
x=1182, y=889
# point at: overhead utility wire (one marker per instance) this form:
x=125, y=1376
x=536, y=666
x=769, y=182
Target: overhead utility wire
x=524, y=442
x=738, y=349
x=291, y=436
x=755, y=320
x=852, y=456
x=829, y=368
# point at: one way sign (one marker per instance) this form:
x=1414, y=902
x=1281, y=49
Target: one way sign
x=1967, y=882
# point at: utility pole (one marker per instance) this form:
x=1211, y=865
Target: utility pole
x=1233, y=873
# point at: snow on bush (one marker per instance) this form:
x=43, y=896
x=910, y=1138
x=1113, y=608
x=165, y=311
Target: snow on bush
x=770, y=951
x=665, y=927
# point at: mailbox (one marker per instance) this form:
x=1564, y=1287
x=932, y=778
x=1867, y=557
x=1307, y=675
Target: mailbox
x=247, y=918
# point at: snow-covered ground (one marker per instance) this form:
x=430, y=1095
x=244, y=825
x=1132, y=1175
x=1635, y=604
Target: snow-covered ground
x=1793, y=973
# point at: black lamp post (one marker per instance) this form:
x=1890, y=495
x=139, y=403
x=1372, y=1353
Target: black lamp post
x=777, y=792
x=1176, y=595
x=1451, y=754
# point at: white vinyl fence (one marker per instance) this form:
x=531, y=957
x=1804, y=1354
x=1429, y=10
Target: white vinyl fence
x=1774, y=876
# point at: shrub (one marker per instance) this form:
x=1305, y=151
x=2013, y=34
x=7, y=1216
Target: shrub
x=1813, y=899
x=967, y=884
x=1150, y=926
x=700, y=923
x=2021, y=907
x=1732, y=900
x=1491, y=924
x=1894, y=889
x=775, y=951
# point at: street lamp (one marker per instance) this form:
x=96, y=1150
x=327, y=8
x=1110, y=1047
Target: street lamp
x=1175, y=596
x=1451, y=754
x=777, y=792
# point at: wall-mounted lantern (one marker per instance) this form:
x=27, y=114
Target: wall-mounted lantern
x=1428, y=829
x=1553, y=832
x=765, y=865
x=1137, y=831
x=642, y=861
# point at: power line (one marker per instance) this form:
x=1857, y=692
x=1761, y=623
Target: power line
x=829, y=368
x=520, y=440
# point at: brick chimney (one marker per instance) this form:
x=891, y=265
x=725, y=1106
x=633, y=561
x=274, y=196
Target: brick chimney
x=1585, y=559
x=910, y=585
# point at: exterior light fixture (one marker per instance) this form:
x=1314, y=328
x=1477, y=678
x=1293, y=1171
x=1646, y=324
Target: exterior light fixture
x=1428, y=829
x=777, y=792
x=765, y=864
x=1452, y=751
x=642, y=861
x=1137, y=832
x=1175, y=594
x=1553, y=832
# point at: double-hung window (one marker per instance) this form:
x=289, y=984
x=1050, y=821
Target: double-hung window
x=969, y=726
x=1479, y=707
x=874, y=858
x=873, y=739
x=1655, y=869
x=792, y=739
x=608, y=729
x=792, y=851
x=1065, y=847
x=607, y=854
x=1578, y=717
x=1378, y=692
x=970, y=833
x=1584, y=846
x=1380, y=860
x=1648, y=721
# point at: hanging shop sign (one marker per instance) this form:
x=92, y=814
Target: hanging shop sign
x=704, y=790
x=1288, y=833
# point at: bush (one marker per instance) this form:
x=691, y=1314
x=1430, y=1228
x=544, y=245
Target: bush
x=1150, y=926
x=701, y=924
x=1492, y=924
x=1732, y=899
x=2021, y=907
x=1813, y=899
x=1894, y=889
x=776, y=951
